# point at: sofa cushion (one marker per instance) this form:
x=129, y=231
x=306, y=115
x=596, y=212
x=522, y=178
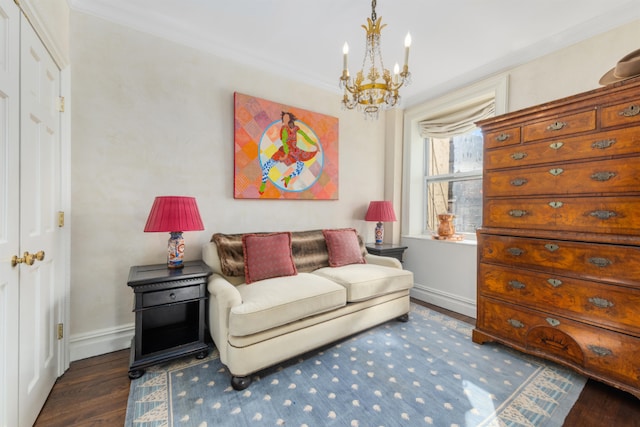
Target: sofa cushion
x=309, y=251
x=343, y=247
x=363, y=281
x=281, y=300
x=267, y=256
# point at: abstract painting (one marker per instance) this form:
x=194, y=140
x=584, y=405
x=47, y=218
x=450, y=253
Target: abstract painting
x=283, y=152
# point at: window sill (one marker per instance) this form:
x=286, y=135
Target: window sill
x=466, y=241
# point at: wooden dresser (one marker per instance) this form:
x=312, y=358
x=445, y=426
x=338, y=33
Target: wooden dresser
x=559, y=247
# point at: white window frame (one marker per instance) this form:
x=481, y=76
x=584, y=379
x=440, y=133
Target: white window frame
x=414, y=190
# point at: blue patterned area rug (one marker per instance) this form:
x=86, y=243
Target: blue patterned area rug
x=426, y=372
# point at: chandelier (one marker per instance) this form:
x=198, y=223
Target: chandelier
x=374, y=88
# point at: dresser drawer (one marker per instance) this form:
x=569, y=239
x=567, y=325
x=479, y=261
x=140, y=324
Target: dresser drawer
x=621, y=114
x=150, y=299
x=610, y=176
x=559, y=126
x=601, y=351
x=592, y=146
x=606, y=215
x=611, y=306
x=615, y=264
x=502, y=138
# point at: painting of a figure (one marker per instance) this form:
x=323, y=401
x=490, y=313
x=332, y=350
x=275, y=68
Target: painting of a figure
x=283, y=152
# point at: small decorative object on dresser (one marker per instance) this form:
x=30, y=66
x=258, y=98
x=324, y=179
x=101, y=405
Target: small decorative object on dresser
x=559, y=247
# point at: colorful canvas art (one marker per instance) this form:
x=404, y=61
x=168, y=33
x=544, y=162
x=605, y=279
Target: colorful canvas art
x=283, y=152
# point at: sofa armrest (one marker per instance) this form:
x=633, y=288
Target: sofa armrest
x=386, y=261
x=222, y=297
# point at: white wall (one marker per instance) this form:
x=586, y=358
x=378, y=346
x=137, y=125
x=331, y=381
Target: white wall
x=445, y=272
x=151, y=118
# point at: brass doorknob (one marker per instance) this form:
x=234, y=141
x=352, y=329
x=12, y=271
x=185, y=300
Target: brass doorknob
x=29, y=259
x=15, y=260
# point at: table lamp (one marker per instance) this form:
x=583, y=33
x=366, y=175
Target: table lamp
x=381, y=211
x=174, y=214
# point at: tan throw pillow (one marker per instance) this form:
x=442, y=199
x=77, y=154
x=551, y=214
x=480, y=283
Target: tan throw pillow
x=343, y=247
x=267, y=256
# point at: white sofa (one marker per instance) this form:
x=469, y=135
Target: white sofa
x=257, y=325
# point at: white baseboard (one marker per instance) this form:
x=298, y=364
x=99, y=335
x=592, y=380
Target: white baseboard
x=446, y=300
x=100, y=342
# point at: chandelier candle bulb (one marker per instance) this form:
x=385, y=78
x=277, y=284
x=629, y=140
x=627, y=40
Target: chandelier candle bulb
x=345, y=52
x=407, y=44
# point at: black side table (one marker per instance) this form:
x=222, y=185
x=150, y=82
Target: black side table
x=169, y=308
x=386, y=249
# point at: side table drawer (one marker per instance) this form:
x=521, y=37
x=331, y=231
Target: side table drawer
x=169, y=296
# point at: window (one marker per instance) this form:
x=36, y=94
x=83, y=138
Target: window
x=453, y=180
x=442, y=161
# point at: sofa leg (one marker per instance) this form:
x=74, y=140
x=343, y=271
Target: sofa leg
x=404, y=318
x=240, y=383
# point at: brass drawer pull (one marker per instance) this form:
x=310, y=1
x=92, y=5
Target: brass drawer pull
x=630, y=111
x=600, y=351
x=516, y=284
x=517, y=213
x=603, y=176
x=518, y=182
x=554, y=282
x=600, y=262
x=515, y=251
x=603, y=214
x=516, y=323
x=556, y=126
x=556, y=171
x=503, y=137
x=600, y=302
x=556, y=145
x=552, y=322
x=556, y=204
x=552, y=247
x=518, y=156
x=605, y=143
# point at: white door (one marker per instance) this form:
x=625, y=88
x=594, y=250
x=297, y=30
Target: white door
x=9, y=211
x=41, y=283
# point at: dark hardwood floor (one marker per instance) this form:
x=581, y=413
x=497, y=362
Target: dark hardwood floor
x=94, y=391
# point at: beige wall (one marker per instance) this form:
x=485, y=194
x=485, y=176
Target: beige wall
x=151, y=118
x=572, y=70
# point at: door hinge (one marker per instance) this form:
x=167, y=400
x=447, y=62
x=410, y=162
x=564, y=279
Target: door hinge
x=61, y=104
x=60, y=330
x=60, y=219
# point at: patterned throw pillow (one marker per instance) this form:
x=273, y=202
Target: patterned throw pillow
x=343, y=247
x=267, y=256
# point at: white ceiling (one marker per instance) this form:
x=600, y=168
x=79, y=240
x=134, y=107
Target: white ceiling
x=455, y=42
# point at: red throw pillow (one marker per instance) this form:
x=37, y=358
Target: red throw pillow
x=267, y=255
x=343, y=247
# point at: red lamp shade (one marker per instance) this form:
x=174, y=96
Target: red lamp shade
x=380, y=211
x=174, y=213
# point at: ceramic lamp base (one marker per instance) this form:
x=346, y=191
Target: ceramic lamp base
x=175, y=254
x=379, y=233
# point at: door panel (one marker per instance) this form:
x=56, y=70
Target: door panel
x=39, y=204
x=9, y=211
